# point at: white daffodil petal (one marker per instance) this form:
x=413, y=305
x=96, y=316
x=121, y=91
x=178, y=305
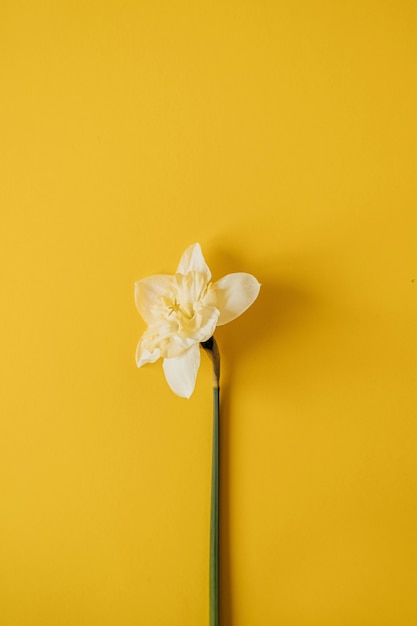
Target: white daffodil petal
x=193, y=260
x=235, y=293
x=144, y=356
x=181, y=371
x=177, y=345
x=207, y=322
x=148, y=295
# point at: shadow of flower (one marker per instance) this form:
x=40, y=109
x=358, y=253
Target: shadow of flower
x=282, y=307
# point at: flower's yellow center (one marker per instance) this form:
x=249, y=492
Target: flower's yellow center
x=174, y=308
x=187, y=306
x=180, y=310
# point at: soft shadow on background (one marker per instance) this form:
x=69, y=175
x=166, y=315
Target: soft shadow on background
x=280, y=310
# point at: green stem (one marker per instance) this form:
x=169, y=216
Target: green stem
x=210, y=346
x=214, y=515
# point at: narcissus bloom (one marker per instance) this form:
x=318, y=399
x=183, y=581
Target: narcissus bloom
x=182, y=310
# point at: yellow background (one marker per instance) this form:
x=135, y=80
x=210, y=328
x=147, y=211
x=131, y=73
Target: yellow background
x=282, y=136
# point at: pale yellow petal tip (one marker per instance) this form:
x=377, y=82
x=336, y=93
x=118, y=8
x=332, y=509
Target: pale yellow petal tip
x=144, y=356
x=193, y=260
x=181, y=371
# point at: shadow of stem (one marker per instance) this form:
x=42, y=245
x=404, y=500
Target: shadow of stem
x=280, y=309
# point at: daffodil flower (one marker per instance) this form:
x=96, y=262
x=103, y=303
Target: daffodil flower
x=183, y=310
